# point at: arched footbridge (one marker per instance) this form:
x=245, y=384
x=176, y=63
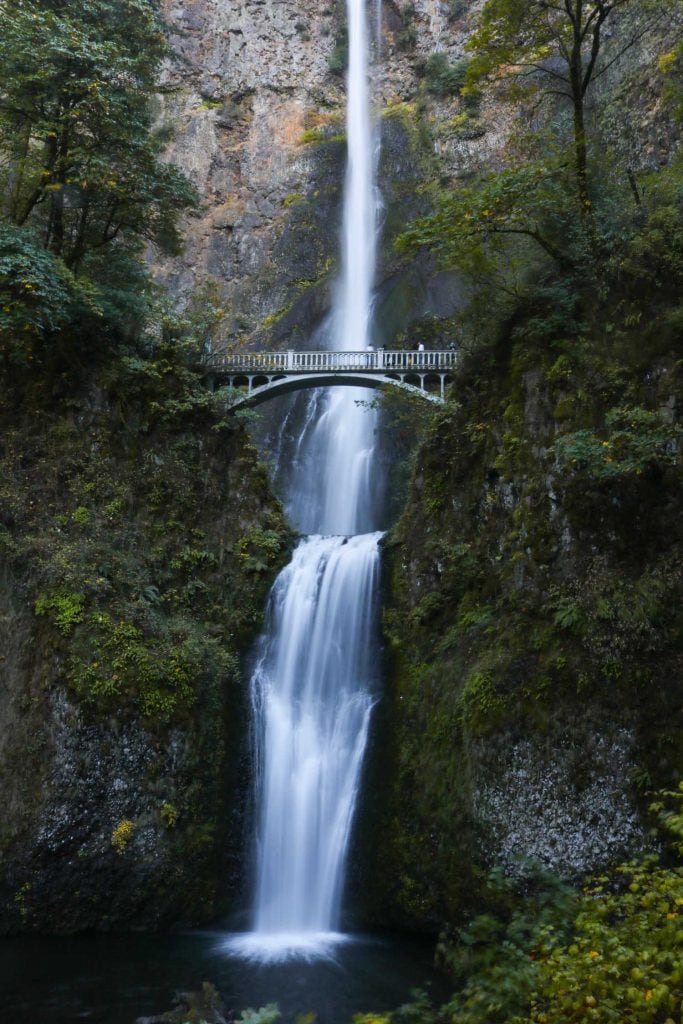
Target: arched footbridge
x=265, y=375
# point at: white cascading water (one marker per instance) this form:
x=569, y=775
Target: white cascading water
x=312, y=687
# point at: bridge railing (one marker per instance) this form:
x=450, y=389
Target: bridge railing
x=379, y=360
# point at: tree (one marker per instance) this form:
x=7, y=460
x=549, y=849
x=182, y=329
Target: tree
x=79, y=161
x=469, y=226
x=38, y=295
x=546, y=204
x=557, y=48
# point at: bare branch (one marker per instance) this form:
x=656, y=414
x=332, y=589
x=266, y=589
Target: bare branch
x=534, y=65
x=631, y=43
x=529, y=232
x=595, y=47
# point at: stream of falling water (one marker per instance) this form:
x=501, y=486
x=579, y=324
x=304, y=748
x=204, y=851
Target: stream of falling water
x=312, y=687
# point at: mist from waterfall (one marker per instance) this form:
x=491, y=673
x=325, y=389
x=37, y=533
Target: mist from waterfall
x=313, y=685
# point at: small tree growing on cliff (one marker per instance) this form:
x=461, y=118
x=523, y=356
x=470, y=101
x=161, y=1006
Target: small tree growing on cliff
x=538, y=51
x=555, y=48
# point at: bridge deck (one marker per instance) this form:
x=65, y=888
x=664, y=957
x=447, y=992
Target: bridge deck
x=369, y=361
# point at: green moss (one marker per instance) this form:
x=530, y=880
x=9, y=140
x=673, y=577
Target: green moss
x=81, y=516
x=312, y=135
x=273, y=318
x=318, y=136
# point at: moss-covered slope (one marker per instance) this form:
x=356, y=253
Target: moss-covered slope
x=137, y=540
x=534, y=612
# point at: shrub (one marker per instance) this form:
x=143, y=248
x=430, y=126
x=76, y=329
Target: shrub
x=339, y=58
x=169, y=815
x=458, y=10
x=443, y=78
x=65, y=610
x=38, y=294
x=550, y=956
x=635, y=440
x=122, y=835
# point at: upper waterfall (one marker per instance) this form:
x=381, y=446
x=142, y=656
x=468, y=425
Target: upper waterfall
x=359, y=228
x=338, y=489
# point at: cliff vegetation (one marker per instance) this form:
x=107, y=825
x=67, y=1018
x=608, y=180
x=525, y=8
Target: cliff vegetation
x=533, y=608
x=137, y=530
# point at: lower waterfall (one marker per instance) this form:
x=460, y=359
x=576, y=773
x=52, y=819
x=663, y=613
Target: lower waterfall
x=312, y=693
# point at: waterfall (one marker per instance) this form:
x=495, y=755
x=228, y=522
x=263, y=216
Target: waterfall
x=313, y=681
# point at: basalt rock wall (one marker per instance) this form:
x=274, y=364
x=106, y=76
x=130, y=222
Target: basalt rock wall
x=255, y=101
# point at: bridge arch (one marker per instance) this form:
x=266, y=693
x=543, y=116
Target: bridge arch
x=263, y=392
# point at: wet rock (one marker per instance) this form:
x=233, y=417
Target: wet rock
x=559, y=799
x=206, y=1006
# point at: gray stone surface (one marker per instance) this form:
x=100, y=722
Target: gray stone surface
x=558, y=799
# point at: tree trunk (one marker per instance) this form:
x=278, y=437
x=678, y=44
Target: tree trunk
x=576, y=77
x=57, y=226
x=581, y=158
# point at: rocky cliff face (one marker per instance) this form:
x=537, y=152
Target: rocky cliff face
x=256, y=102
x=532, y=631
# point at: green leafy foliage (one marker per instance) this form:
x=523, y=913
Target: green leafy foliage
x=548, y=955
x=65, y=610
x=554, y=196
x=637, y=440
x=623, y=960
x=81, y=163
x=520, y=37
x=84, y=183
x=38, y=294
x=668, y=807
x=442, y=77
x=265, y=1015
x=469, y=227
x=123, y=663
